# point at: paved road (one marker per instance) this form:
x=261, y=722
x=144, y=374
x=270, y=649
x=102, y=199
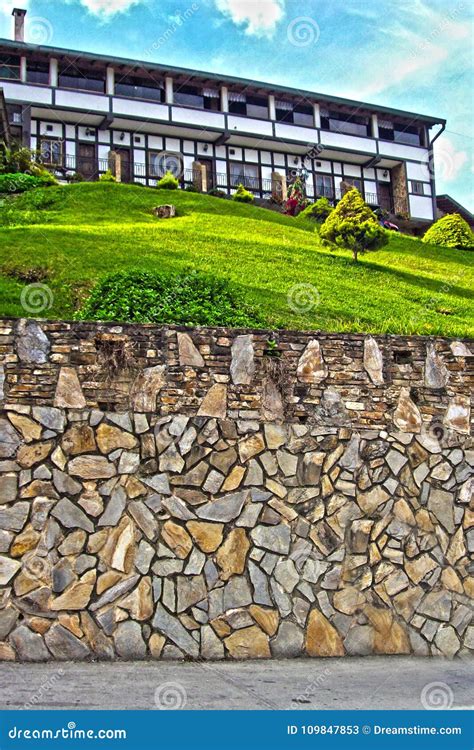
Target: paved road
x=372, y=683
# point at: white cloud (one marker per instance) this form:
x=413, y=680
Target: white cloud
x=6, y=20
x=448, y=160
x=260, y=17
x=109, y=8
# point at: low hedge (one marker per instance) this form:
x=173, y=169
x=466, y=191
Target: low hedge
x=19, y=183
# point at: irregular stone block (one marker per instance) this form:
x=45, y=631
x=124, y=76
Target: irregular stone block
x=69, y=393
x=242, y=367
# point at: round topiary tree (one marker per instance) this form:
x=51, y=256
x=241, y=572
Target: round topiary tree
x=353, y=225
x=450, y=231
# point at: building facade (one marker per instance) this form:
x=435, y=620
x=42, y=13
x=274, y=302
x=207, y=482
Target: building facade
x=77, y=110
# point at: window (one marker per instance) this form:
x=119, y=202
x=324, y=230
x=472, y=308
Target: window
x=137, y=87
x=252, y=106
x=340, y=122
x=165, y=161
x=324, y=186
x=38, y=73
x=189, y=96
x=52, y=152
x=409, y=134
x=417, y=187
x=245, y=174
x=71, y=78
x=298, y=115
x=354, y=182
x=10, y=67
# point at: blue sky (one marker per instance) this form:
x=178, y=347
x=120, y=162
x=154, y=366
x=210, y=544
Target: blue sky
x=409, y=54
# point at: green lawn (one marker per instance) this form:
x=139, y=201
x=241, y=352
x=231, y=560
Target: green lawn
x=92, y=229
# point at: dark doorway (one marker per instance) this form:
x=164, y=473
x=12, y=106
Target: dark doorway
x=86, y=160
x=384, y=195
x=126, y=163
x=209, y=164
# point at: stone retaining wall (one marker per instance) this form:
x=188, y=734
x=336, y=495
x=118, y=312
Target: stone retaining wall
x=169, y=493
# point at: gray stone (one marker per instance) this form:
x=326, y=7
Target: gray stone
x=249, y=516
x=49, y=417
x=69, y=393
x=261, y=593
x=2, y=382
x=447, y=641
x=196, y=562
x=190, y=591
x=71, y=517
x=32, y=344
x=65, y=484
x=288, y=642
x=351, y=458
x=359, y=640
x=286, y=575
x=436, y=605
x=224, y=509
x=144, y=518
x=177, y=508
x=8, y=488
x=273, y=538
x=114, y=508
x=242, y=368
x=9, y=439
x=129, y=642
x=145, y=554
x=189, y=355
x=282, y=600
x=6, y=538
x=120, y=588
x=458, y=414
x=64, y=645
x=159, y=483
x=436, y=372
x=172, y=628
x=129, y=462
x=440, y=503
x=145, y=388
x=29, y=646
x=237, y=593
x=211, y=646
x=14, y=517
x=8, y=618
x=63, y=575
x=373, y=361
x=396, y=461
x=171, y=460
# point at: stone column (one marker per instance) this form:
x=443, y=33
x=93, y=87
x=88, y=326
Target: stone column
x=224, y=99
x=199, y=177
x=279, y=188
x=115, y=165
x=110, y=81
x=400, y=189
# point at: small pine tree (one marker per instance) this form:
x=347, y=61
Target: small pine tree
x=450, y=231
x=353, y=225
x=168, y=182
x=242, y=195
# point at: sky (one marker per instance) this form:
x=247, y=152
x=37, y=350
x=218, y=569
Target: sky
x=415, y=55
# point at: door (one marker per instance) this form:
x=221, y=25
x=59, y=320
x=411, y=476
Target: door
x=209, y=164
x=385, y=196
x=86, y=160
x=126, y=163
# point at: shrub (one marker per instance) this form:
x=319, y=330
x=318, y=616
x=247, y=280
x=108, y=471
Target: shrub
x=450, y=231
x=186, y=298
x=191, y=188
x=20, y=183
x=168, y=182
x=318, y=211
x=353, y=225
x=242, y=195
x=14, y=159
x=217, y=193
x=75, y=177
x=107, y=177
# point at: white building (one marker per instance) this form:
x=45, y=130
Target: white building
x=76, y=108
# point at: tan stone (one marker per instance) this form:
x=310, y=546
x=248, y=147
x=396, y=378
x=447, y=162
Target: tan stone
x=6, y=652
x=451, y=580
x=92, y=503
x=268, y=619
x=77, y=595
x=417, y=569
x=407, y=416
x=145, y=389
x=469, y=587
x=78, y=439
x=348, y=600
x=208, y=536
x=458, y=414
x=123, y=546
x=457, y=548
x=214, y=403
x=177, y=538
x=156, y=644
x=72, y=623
x=140, y=601
x=234, y=479
x=371, y=500
x=25, y=583
x=29, y=455
x=232, y=554
x=110, y=438
x=30, y=430
x=322, y=638
x=96, y=541
x=69, y=393
x=251, y=446
x=107, y=580
x=221, y=627
x=311, y=366
x=189, y=355
x=24, y=542
x=389, y=636
x=92, y=467
x=39, y=624
x=248, y=643
x=135, y=488
x=404, y=513
x=423, y=521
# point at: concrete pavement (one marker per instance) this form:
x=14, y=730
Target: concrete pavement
x=348, y=683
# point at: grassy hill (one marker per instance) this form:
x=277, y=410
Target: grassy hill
x=87, y=230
